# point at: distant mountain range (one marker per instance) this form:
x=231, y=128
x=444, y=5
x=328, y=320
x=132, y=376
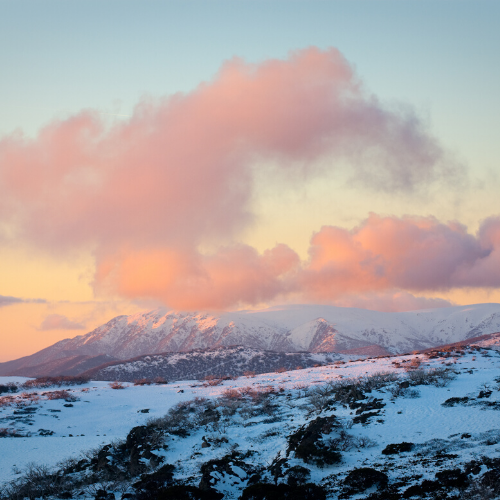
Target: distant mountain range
x=291, y=328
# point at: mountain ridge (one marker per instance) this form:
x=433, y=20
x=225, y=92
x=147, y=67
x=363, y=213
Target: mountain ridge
x=291, y=328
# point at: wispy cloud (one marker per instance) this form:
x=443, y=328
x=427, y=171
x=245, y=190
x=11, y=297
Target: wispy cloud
x=59, y=322
x=7, y=301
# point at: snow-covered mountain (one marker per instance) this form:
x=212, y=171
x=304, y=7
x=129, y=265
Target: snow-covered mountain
x=291, y=328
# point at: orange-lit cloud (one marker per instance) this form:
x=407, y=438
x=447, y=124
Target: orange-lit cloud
x=232, y=277
x=409, y=253
x=376, y=265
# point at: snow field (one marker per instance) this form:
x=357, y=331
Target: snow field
x=102, y=415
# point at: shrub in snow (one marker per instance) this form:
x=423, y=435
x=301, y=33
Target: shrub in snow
x=401, y=391
x=8, y=432
x=116, y=385
x=4, y=388
x=439, y=377
x=38, y=481
x=63, y=394
x=212, y=380
x=46, y=382
x=143, y=381
x=160, y=381
x=378, y=380
x=413, y=364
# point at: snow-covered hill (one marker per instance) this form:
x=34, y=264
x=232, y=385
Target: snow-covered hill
x=220, y=362
x=413, y=426
x=314, y=328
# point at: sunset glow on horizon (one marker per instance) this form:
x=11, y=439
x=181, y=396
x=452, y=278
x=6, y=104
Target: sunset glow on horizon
x=278, y=179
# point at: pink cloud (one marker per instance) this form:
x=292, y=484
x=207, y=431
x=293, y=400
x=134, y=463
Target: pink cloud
x=409, y=253
x=147, y=193
x=179, y=171
x=59, y=322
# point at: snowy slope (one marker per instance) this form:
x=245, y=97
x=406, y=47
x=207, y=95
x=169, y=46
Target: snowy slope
x=314, y=328
x=453, y=429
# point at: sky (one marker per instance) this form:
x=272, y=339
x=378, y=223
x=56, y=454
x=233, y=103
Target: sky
x=230, y=155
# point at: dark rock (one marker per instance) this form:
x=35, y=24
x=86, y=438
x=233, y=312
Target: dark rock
x=473, y=467
x=374, y=404
x=420, y=490
x=277, y=468
x=297, y=475
x=180, y=492
x=485, y=394
x=359, y=480
x=102, y=458
x=104, y=495
x=160, y=478
x=223, y=466
x=45, y=432
x=363, y=418
x=455, y=401
x=454, y=478
x=308, y=446
x=267, y=491
x=392, y=449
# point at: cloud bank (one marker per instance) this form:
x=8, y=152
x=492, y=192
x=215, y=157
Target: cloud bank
x=148, y=192
x=380, y=262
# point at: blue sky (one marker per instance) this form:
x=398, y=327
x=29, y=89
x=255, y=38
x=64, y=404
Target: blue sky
x=439, y=56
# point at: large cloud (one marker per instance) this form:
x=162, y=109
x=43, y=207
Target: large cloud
x=179, y=171
x=146, y=194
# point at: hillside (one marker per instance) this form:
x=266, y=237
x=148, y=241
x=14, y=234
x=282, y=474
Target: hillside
x=196, y=365
x=415, y=426
x=294, y=328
